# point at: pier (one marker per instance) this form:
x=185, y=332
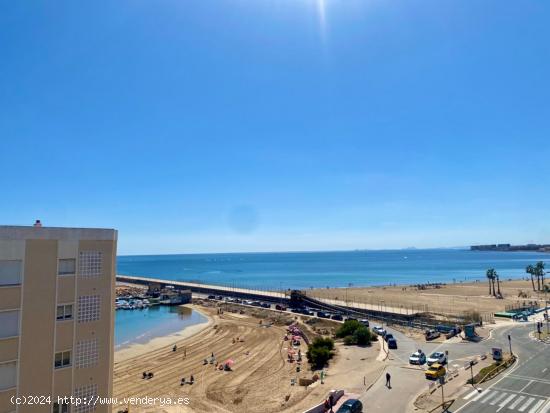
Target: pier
x=292, y=298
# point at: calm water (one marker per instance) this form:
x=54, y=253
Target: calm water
x=140, y=326
x=335, y=269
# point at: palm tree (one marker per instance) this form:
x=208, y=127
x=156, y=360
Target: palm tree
x=539, y=270
x=489, y=275
x=531, y=271
x=498, y=284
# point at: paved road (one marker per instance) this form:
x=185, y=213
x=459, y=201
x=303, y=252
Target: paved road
x=407, y=382
x=524, y=389
x=529, y=379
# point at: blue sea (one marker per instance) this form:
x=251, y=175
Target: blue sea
x=140, y=326
x=302, y=270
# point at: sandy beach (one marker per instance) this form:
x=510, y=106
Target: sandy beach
x=260, y=380
x=448, y=299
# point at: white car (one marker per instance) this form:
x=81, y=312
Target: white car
x=437, y=357
x=379, y=330
x=418, y=357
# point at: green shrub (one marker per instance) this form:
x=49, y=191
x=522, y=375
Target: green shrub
x=353, y=332
x=320, y=351
x=363, y=336
x=350, y=340
x=348, y=328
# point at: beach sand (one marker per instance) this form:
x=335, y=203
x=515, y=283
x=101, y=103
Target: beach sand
x=261, y=376
x=451, y=299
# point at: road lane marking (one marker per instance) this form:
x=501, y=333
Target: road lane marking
x=536, y=406
x=527, y=385
x=526, y=404
x=518, y=401
x=489, y=397
x=480, y=395
x=470, y=395
x=506, y=401
x=499, y=398
x=546, y=408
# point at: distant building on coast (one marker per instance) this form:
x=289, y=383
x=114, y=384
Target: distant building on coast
x=57, y=289
x=509, y=247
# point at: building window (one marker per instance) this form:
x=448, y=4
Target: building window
x=8, y=375
x=88, y=393
x=64, y=312
x=9, y=323
x=88, y=308
x=62, y=359
x=10, y=272
x=87, y=353
x=90, y=263
x=67, y=266
x=61, y=408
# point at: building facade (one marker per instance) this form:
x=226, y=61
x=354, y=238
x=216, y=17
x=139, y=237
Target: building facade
x=57, y=289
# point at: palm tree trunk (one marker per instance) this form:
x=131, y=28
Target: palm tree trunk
x=498, y=286
x=494, y=291
x=533, y=282
x=490, y=292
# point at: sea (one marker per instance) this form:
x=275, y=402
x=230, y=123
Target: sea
x=302, y=270
x=140, y=326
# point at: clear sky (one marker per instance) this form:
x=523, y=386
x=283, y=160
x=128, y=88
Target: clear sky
x=263, y=125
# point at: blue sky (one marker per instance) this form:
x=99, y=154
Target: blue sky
x=215, y=125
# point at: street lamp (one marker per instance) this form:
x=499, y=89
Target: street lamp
x=510, y=342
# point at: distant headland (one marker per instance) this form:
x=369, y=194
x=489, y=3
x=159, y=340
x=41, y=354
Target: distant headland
x=509, y=247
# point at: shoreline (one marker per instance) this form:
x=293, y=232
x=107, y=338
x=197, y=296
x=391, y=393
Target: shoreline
x=138, y=349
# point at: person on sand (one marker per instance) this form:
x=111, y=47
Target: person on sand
x=182, y=382
x=331, y=402
x=174, y=348
x=388, y=380
x=191, y=380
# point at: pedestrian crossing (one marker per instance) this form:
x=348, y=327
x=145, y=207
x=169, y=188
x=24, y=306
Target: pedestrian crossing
x=508, y=400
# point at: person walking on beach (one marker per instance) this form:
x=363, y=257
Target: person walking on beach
x=388, y=380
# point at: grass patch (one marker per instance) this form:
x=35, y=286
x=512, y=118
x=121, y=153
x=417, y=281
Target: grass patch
x=489, y=372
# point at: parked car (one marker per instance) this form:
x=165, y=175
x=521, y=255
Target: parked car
x=256, y=304
x=418, y=357
x=435, y=371
x=211, y=297
x=437, y=357
x=351, y=406
x=265, y=305
x=388, y=336
x=351, y=318
x=392, y=343
x=432, y=334
x=379, y=330
x=280, y=307
x=453, y=332
x=322, y=314
x=337, y=317
x=365, y=322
